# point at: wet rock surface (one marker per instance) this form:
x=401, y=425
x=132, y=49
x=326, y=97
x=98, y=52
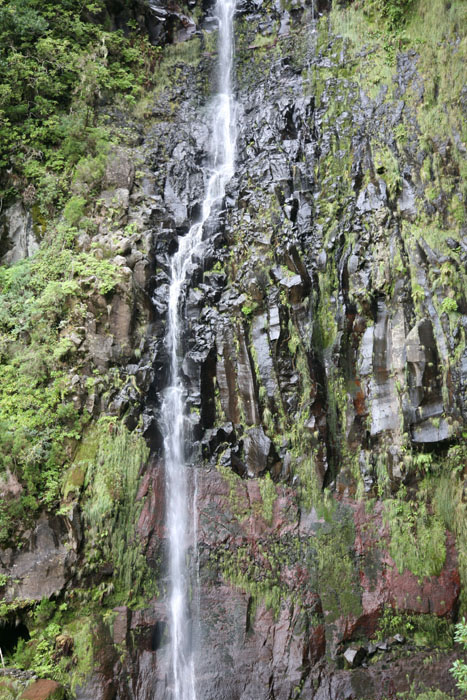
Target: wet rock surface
x=46, y=564
x=317, y=353
x=18, y=239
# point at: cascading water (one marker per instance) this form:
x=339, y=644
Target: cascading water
x=219, y=172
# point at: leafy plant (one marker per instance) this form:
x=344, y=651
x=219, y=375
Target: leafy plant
x=417, y=538
x=393, y=11
x=448, y=305
x=57, y=61
x=459, y=667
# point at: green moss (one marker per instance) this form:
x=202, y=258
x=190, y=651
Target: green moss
x=268, y=497
x=417, y=538
x=40, y=654
x=448, y=500
x=258, y=568
x=110, y=508
x=423, y=630
x=235, y=484
x=387, y=165
x=81, y=632
x=39, y=298
x=337, y=574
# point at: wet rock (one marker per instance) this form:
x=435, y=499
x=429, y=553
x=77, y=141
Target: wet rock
x=121, y=624
x=264, y=358
x=354, y=656
x=406, y=201
x=294, y=288
x=372, y=198
x=43, y=568
x=301, y=334
x=17, y=237
x=257, y=448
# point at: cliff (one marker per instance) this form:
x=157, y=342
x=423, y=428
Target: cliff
x=324, y=360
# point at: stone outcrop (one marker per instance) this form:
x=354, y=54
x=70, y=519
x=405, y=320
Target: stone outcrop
x=43, y=690
x=325, y=373
x=17, y=237
x=42, y=568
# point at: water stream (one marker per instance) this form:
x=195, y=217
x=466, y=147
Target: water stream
x=218, y=172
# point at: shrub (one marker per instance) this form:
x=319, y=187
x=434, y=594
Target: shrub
x=459, y=668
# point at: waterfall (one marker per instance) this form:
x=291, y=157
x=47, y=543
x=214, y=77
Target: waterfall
x=218, y=173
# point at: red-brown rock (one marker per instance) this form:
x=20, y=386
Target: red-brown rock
x=44, y=690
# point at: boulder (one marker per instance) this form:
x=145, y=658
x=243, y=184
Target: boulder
x=354, y=656
x=120, y=171
x=44, y=689
x=17, y=238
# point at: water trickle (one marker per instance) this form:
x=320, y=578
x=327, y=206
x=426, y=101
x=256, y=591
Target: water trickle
x=219, y=172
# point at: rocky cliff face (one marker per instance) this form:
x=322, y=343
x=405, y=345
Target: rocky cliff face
x=325, y=358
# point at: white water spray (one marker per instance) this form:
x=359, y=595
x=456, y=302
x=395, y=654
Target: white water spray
x=219, y=172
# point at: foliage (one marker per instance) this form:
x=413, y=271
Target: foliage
x=424, y=630
x=260, y=568
x=40, y=654
x=268, y=496
x=417, y=538
x=394, y=12
x=337, y=574
x=248, y=309
x=417, y=693
x=57, y=63
x=112, y=466
x=39, y=299
x=450, y=506
x=459, y=667
x=111, y=457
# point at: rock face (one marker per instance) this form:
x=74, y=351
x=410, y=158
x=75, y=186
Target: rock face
x=318, y=354
x=17, y=237
x=325, y=369
x=325, y=373
x=43, y=568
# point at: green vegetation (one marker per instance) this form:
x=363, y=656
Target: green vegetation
x=423, y=630
x=111, y=458
x=394, y=12
x=40, y=298
x=61, y=65
x=447, y=486
x=62, y=642
x=422, y=693
x=57, y=63
x=261, y=568
x=417, y=537
x=337, y=574
x=459, y=667
x=268, y=497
